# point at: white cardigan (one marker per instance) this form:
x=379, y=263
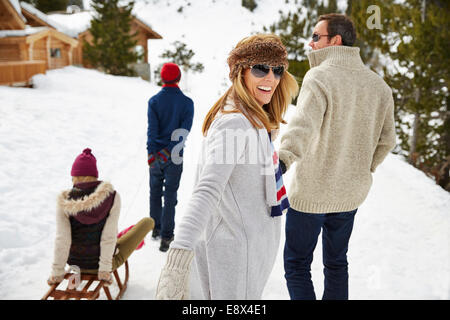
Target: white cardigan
x=227, y=221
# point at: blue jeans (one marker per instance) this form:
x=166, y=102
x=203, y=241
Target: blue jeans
x=302, y=233
x=164, y=182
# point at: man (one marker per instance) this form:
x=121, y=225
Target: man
x=168, y=111
x=342, y=130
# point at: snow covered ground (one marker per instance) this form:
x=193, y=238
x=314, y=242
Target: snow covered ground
x=400, y=244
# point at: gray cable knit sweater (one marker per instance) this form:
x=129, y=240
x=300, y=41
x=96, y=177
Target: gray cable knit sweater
x=342, y=130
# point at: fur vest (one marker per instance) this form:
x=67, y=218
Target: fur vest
x=86, y=230
x=87, y=225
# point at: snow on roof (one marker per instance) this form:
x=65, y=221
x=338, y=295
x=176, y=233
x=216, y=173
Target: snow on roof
x=21, y=33
x=80, y=21
x=39, y=14
x=71, y=24
x=16, y=5
x=74, y=23
x=136, y=15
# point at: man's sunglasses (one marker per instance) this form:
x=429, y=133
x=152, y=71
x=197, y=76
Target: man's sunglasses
x=316, y=37
x=262, y=70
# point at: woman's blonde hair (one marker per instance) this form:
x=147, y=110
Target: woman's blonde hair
x=270, y=115
x=81, y=179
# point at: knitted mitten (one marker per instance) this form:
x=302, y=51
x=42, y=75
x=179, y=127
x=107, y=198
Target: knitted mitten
x=173, y=282
x=151, y=158
x=105, y=276
x=54, y=280
x=164, y=155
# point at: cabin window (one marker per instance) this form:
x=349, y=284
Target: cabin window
x=141, y=51
x=55, y=53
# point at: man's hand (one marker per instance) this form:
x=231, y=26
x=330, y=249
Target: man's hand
x=283, y=167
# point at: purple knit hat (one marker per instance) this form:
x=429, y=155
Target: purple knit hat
x=85, y=165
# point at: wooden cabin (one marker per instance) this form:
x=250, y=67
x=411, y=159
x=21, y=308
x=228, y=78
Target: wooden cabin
x=31, y=43
x=26, y=51
x=48, y=45
x=142, y=30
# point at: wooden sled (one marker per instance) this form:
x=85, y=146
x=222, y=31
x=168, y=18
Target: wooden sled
x=85, y=293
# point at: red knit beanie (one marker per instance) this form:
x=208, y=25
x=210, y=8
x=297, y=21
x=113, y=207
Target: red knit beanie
x=170, y=73
x=85, y=165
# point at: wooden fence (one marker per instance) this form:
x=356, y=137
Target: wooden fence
x=20, y=72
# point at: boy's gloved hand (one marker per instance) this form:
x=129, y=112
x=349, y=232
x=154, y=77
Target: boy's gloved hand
x=173, y=282
x=163, y=155
x=151, y=159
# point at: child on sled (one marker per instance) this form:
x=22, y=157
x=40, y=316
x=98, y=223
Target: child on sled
x=87, y=223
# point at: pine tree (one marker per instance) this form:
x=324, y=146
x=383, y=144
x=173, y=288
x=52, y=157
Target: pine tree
x=249, y=4
x=78, y=3
x=33, y=2
x=425, y=55
x=113, y=47
x=411, y=51
x=182, y=56
x=415, y=36
x=295, y=30
x=49, y=5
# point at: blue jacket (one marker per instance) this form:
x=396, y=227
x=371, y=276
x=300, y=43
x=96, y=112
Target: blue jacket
x=168, y=110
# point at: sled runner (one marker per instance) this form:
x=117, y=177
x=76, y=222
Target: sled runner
x=83, y=292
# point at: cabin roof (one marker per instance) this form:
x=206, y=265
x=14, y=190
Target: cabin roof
x=41, y=19
x=32, y=34
x=10, y=16
x=80, y=22
x=16, y=5
x=21, y=33
x=151, y=33
x=21, y=19
x=74, y=23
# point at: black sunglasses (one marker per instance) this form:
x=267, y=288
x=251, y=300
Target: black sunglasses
x=262, y=70
x=316, y=37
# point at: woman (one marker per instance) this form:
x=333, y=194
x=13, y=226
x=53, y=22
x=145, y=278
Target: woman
x=232, y=222
x=86, y=225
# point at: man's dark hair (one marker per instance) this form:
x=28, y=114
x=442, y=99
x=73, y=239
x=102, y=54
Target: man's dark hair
x=340, y=24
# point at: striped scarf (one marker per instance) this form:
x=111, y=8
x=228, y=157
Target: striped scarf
x=282, y=199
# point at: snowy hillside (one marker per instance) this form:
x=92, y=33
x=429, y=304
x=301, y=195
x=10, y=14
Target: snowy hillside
x=400, y=244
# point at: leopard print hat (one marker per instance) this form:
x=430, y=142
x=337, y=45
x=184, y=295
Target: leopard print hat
x=271, y=52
